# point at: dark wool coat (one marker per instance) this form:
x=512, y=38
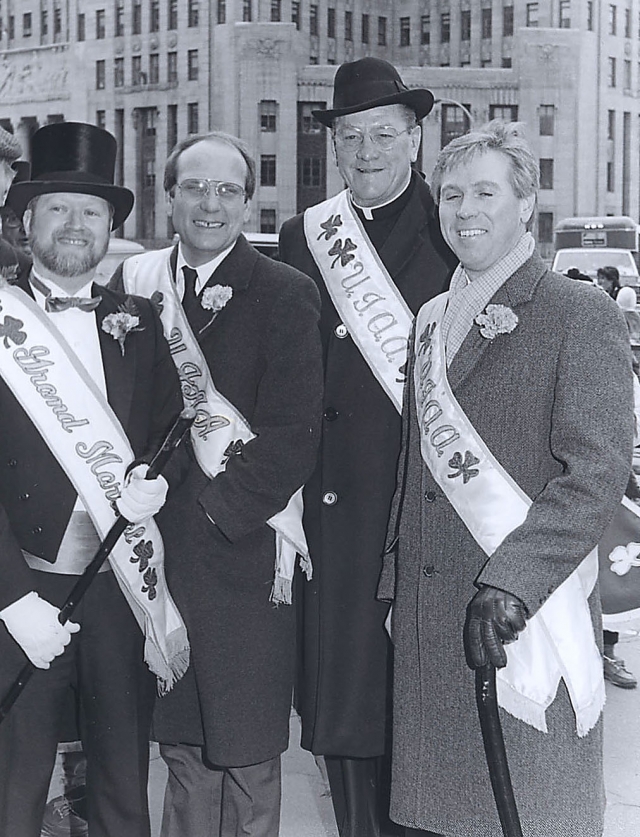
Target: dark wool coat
x=344, y=648
x=36, y=496
x=544, y=399
x=263, y=350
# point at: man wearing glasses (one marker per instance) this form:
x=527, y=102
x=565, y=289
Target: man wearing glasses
x=376, y=254
x=243, y=332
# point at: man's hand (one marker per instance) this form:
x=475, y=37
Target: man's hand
x=141, y=498
x=494, y=617
x=34, y=625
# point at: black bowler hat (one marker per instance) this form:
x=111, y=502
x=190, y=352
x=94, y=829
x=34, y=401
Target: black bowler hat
x=371, y=83
x=73, y=157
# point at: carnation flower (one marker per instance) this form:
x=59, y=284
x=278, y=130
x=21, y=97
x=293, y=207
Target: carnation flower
x=123, y=321
x=214, y=299
x=497, y=319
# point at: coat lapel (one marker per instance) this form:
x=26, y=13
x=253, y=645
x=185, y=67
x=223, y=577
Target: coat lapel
x=119, y=369
x=516, y=292
x=407, y=235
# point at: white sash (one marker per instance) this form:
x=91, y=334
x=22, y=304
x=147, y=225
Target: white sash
x=85, y=436
x=558, y=641
x=363, y=293
x=218, y=424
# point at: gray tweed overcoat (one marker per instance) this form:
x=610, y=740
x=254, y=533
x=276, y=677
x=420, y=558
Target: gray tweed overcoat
x=553, y=402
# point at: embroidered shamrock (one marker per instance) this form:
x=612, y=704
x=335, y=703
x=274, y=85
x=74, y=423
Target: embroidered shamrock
x=426, y=338
x=624, y=557
x=11, y=330
x=214, y=299
x=157, y=300
x=150, y=579
x=463, y=467
x=122, y=322
x=142, y=553
x=330, y=227
x=497, y=319
x=342, y=252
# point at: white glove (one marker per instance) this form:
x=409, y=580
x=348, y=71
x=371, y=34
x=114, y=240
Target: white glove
x=33, y=623
x=141, y=498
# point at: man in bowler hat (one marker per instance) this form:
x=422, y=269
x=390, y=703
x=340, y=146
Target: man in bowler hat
x=61, y=330
x=377, y=255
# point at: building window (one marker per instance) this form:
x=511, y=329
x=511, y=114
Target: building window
x=100, y=75
x=611, y=125
x=81, y=33
x=172, y=67
x=486, y=21
x=276, y=11
x=118, y=29
x=26, y=25
x=613, y=19
x=365, y=29
x=546, y=173
x=12, y=27
x=331, y=22
x=192, y=65
x=136, y=18
x=454, y=123
x=313, y=19
x=101, y=31
x=222, y=11
x=136, y=70
x=295, y=13
x=118, y=72
x=612, y=72
x=547, y=120
x=312, y=171
x=626, y=69
x=268, y=113
x=348, y=26
x=44, y=22
x=154, y=16
x=506, y=63
x=268, y=221
x=267, y=169
x=101, y=119
x=382, y=31
x=172, y=14
x=532, y=15
x=507, y=21
x=611, y=177
x=193, y=14
x=590, y=15
x=172, y=126
x=564, y=14
x=308, y=123
x=247, y=13
x=445, y=27
x=508, y=113
x=405, y=31
x=465, y=25
x=192, y=118
x=425, y=30
x=545, y=227
x=154, y=68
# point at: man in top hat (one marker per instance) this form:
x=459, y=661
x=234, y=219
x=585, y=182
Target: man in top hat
x=376, y=253
x=14, y=262
x=87, y=386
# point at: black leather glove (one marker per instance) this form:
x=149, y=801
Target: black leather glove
x=494, y=617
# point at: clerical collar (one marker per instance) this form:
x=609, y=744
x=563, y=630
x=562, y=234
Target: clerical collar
x=387, y=208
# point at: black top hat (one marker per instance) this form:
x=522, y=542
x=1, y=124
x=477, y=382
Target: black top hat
x=22, y=171
x=371, y=83
x=73, y=157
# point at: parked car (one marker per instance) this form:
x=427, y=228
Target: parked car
x=119, y=250
x=589, y=260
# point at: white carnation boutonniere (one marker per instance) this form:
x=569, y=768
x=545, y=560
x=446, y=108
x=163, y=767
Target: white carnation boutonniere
x=214, y=299
x=496, y=319
x=122, y=322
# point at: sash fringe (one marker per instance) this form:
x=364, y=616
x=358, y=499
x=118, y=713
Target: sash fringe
x=170, y=669
x=281, y=591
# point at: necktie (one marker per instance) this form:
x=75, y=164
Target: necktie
x=190, y=300
x=55, y=304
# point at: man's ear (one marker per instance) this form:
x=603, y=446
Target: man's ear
x=26, y=220
x=526, y=211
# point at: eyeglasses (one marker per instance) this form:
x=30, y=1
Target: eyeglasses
x=195, y=189
x=383, y=138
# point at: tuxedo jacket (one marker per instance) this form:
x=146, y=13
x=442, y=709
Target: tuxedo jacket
x=36, y=496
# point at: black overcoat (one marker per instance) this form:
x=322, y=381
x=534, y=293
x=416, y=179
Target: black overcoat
x=263, y=350
x=343, y=679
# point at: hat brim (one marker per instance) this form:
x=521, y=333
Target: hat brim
x=120, y=198
x=420, y=100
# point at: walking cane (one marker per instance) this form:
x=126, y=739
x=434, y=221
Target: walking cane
x=171, y=442
x=487, y=701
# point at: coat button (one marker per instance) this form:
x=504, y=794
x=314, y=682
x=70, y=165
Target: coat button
x=430, y=496
x=429, y=570
x=330, y=414
x=37, y=530
x=330, y=498
x=25, y=496
x=12, y=463
x=341, y=331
